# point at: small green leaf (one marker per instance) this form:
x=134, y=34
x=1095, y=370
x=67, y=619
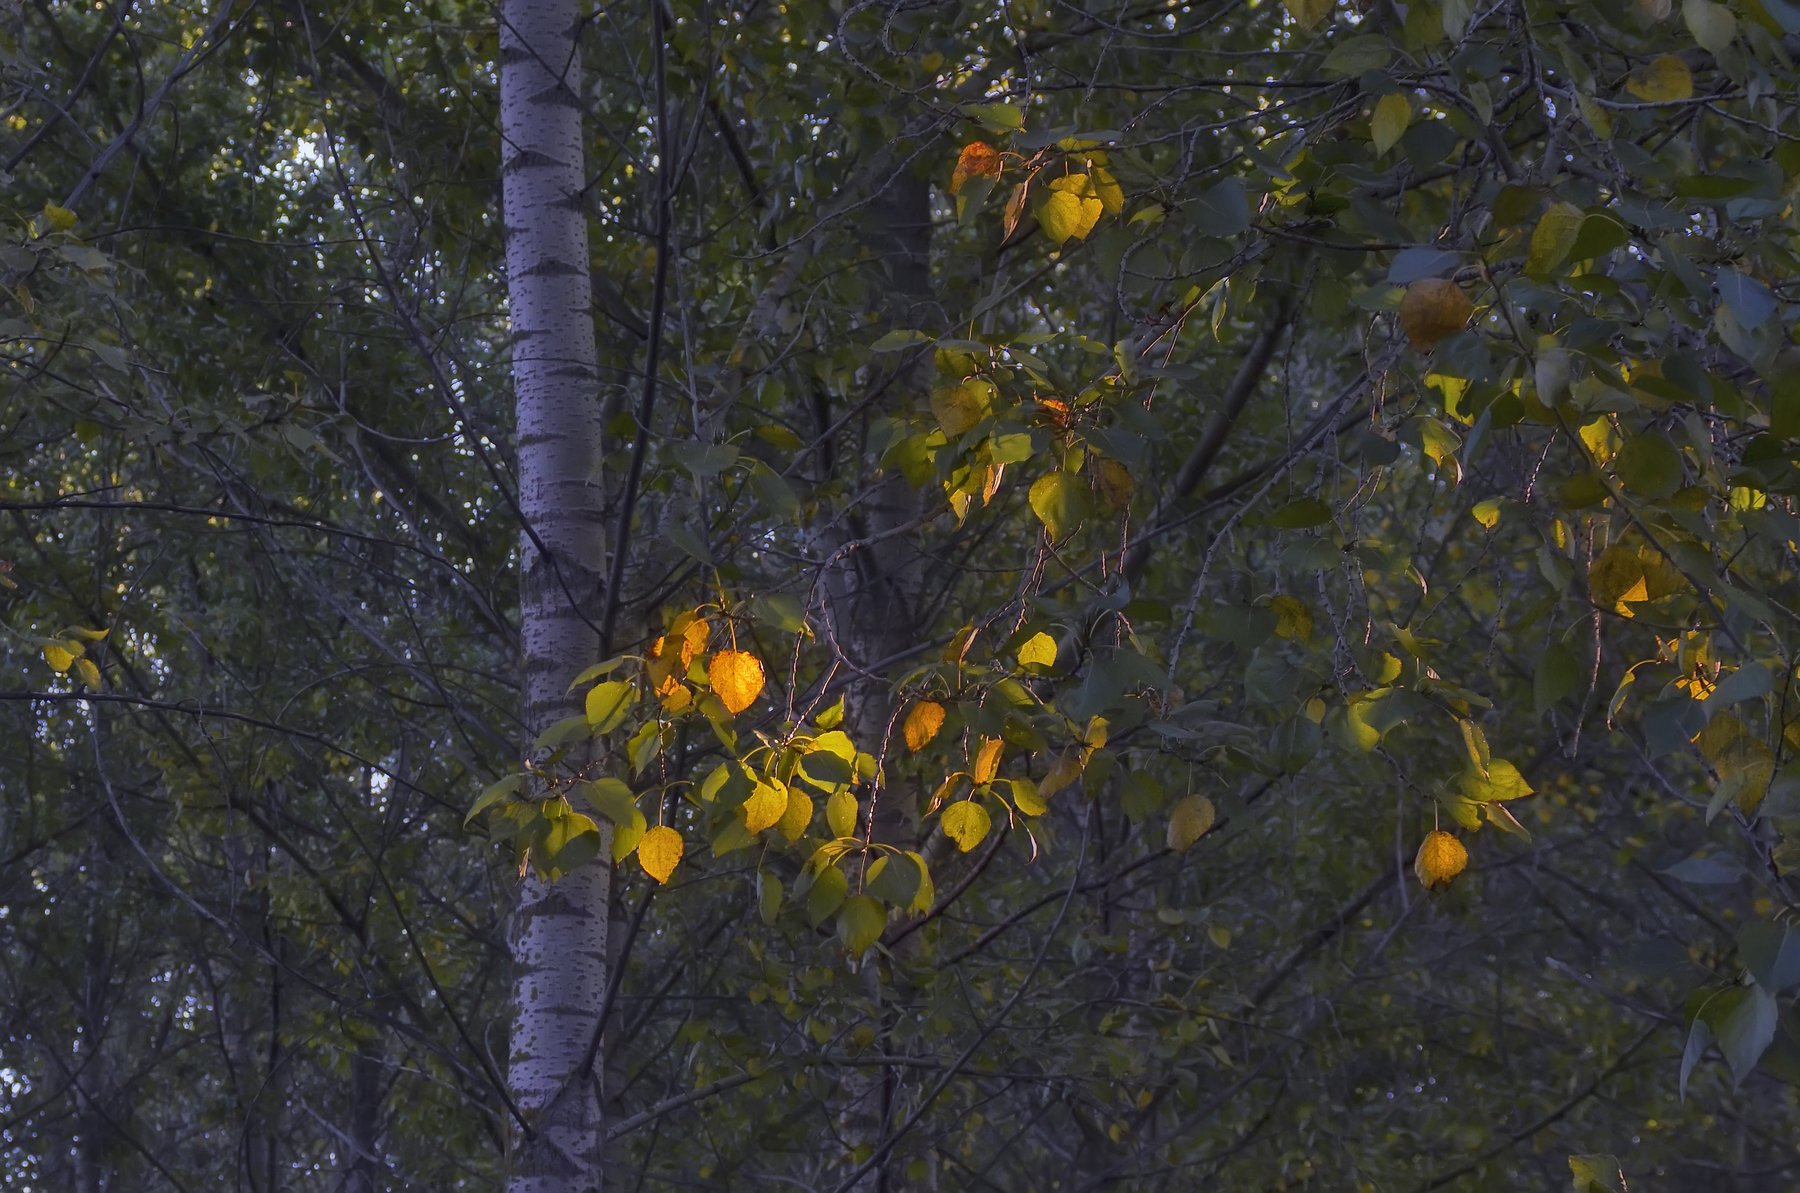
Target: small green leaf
x=768, y=896
x=894, y=341
x=612, y=799
x=1649, y=466
x=894, y=879
x=492, y=794
x=826, y=894
x=1301, y=514
x=1597, y=1174
x=997, y=117
x=1502, y=782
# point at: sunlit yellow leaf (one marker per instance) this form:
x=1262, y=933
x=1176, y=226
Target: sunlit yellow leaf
x=1616, y=580
x=987, y=759
x=737, y=679
x=767, y=804
x=1440, y=859
x=59, y=656
x=1307, y=13
x=659, y=852
x=1071, y=209
x=90, y=674
x=922, y=723
x=966, y=823
x=1039, y=650
x=1555, y=234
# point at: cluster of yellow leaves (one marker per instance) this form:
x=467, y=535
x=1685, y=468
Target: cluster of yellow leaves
x=70, y=652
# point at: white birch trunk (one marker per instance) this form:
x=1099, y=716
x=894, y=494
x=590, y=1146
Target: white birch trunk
x=559, y=930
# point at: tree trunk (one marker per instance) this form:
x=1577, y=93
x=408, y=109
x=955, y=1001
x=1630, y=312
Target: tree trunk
x=559, y=930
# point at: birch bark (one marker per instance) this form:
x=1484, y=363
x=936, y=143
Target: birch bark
x=559, y=931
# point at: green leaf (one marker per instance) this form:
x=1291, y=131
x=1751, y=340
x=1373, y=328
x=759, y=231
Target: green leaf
x=1392, y=115
x=1649, y=466
x=960, y=407
x=572, y=840
x=608, y=704
x=1712, y=25
x=1558, y=676
x=1503, y=782
x=1771, y=952
x=894, y=341
x=1555, y=234
x=1059, y=499
x=894, y=879
x=1302, y=514
x=492, y=794
x=589, y=674
x=859, y=924
x=999, y=118
x=768, y=897
x=1223, y=210
x=612, y=799
x=826, y=894
x=627, y=834
x=1597, y=1174
x=966, y=823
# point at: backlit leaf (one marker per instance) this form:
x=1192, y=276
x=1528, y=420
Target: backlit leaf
x=966, y=823
x=767, y=804
x=737, y=679
x=1189, y=820
x=978, y=159
x=1664, y=79
x=923, y=720
x=1432, y=309
x=987, y=759
x=1039, y=650
x=659, y=852
x=1392, y=114
x=1059, y=499
x=1440, y=859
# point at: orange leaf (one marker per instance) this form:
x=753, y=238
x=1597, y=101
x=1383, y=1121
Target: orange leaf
x=978, y=159
x=922, y=724
x=737, y=678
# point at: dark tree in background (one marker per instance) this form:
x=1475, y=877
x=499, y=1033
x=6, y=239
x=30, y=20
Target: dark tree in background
x=899, y=595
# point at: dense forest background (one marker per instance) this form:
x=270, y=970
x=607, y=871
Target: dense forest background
x=908, y=594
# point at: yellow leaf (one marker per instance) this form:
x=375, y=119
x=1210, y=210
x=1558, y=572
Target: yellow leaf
x=1015, y=211
x=1066, y=770
x=693, y=640
x=965, y=823
x=1071, y=209
x=61, y=218
x=90, y=674
x=737, y=679
x=922, y=724
x=797, y=817
x=1293, y=620
x=1392, y=115
x=766, y=806
x=1039, y=650
x=59, y=656
x=1189, y=821
x=1487, y=513
x=978, y=159
x=1432, y=309
x=1664, y=79
x=1441, y=858
x=659, y=852
x=987, y=759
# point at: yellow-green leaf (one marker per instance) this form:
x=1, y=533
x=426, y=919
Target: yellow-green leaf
x=659, y=852
x=797, y=817
x=607, y=704
x=1712, y=25
x=1392, y=115
x=959, y=407
x=61, y=218
x=1663, y=79
x=1060, y=501
x=1432, y=309
x=1553, y=237
x=966, y=823
x=60, y=656
x=840, y=813
x=1039, y=650
x=1293, y=620
x=1190, y=820
x=1307, y=13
